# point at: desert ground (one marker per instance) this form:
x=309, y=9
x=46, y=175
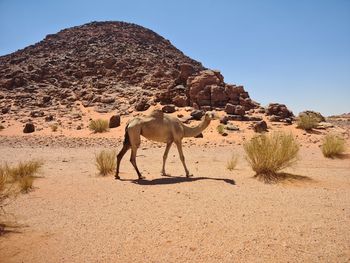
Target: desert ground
x=74, y=215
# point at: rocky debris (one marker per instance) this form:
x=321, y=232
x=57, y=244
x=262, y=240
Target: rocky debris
x=142, y=104
x=197, y=114
x=278, y=112
x=234, y=109
x=110, y=66
x=107, y=65
x=231, y=127
x=5, y=110
x=324, y=125
x=114, y=121
x=170, y=108
x=29, y=128
x=232, y=117
x=49, y=117
x=224, y=119
x=260, y=126
x=314, y=114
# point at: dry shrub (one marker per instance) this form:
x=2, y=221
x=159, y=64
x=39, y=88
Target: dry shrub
x=333, y=145
x=105, y=162
x=54, y=127
x=307, y=122
x=232, y=163
x=220, y=128
x=268, y=154
x=24, y=173
x=1, y=127
x=21, y=175
x=99, y=125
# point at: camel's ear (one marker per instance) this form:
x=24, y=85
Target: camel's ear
x=213, y=115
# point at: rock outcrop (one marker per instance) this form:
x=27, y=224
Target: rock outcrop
x=111, y=66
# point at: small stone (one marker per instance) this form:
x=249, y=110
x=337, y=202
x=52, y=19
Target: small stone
x=170, y=108
x=197, y=114
x=29, y=128
x=114, y=121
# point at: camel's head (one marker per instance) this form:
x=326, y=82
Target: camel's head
x=210, y=115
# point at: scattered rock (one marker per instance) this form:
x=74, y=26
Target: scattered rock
x=224, y=119
x=314, y=114
x=324, y=125
x=29, y=128
x=37, y=113
x=197, y=114
x=260, y=126
x=275, y=118
x=231, y=127
x=49, y=118
x=279, y=110
x=142, y=105
x=170, y=108
x=114, y=121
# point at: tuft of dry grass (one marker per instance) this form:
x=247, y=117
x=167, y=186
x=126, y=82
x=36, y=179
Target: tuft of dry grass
x=232, y=163
x=268, y=154
x=24, y=173
x=54, y=127
x=99, y=125
x=21, y=175
x=333, y=145
x=220, y=128
x=1, y=127
x=307, y=122
x=105, y=162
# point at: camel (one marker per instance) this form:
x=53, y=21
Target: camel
x=159, y=127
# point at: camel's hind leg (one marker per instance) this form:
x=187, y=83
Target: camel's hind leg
x=165, y=156
x=133, y=161
x=182, y=157
x=120, y=155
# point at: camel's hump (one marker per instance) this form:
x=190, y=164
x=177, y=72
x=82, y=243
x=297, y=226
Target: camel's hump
x=157, y=114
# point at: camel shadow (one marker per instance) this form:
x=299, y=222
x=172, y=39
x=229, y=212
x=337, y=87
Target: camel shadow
x=168, y=179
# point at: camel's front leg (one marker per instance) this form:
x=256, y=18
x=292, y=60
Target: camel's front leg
x=182, y=158
x=165, y=156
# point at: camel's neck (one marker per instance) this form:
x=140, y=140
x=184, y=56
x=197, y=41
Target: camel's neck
x=194, y=131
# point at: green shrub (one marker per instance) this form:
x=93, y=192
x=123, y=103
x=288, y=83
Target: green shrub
x=232, y=163
x=268, y=154
x=333, y=145
x=99, y=125
x=105, y=162
x=307, y=122
x=220, y=128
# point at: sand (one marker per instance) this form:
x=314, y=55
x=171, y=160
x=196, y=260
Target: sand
x=73, y=215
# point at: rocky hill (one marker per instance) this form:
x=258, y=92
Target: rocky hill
x=112, y=66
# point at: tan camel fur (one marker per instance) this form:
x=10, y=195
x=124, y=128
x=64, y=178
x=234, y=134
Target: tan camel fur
x=159, y=127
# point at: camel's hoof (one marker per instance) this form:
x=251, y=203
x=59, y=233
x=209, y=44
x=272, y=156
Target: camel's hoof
x=116, y=177
x=189, y=175
x=141, y=177
x=164, y=174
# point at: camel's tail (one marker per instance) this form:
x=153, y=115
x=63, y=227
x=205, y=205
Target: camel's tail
x=126, y=136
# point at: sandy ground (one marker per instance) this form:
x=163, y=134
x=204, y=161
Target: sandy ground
x=73, y=215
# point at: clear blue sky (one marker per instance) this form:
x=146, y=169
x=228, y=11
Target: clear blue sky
x=292, y=52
